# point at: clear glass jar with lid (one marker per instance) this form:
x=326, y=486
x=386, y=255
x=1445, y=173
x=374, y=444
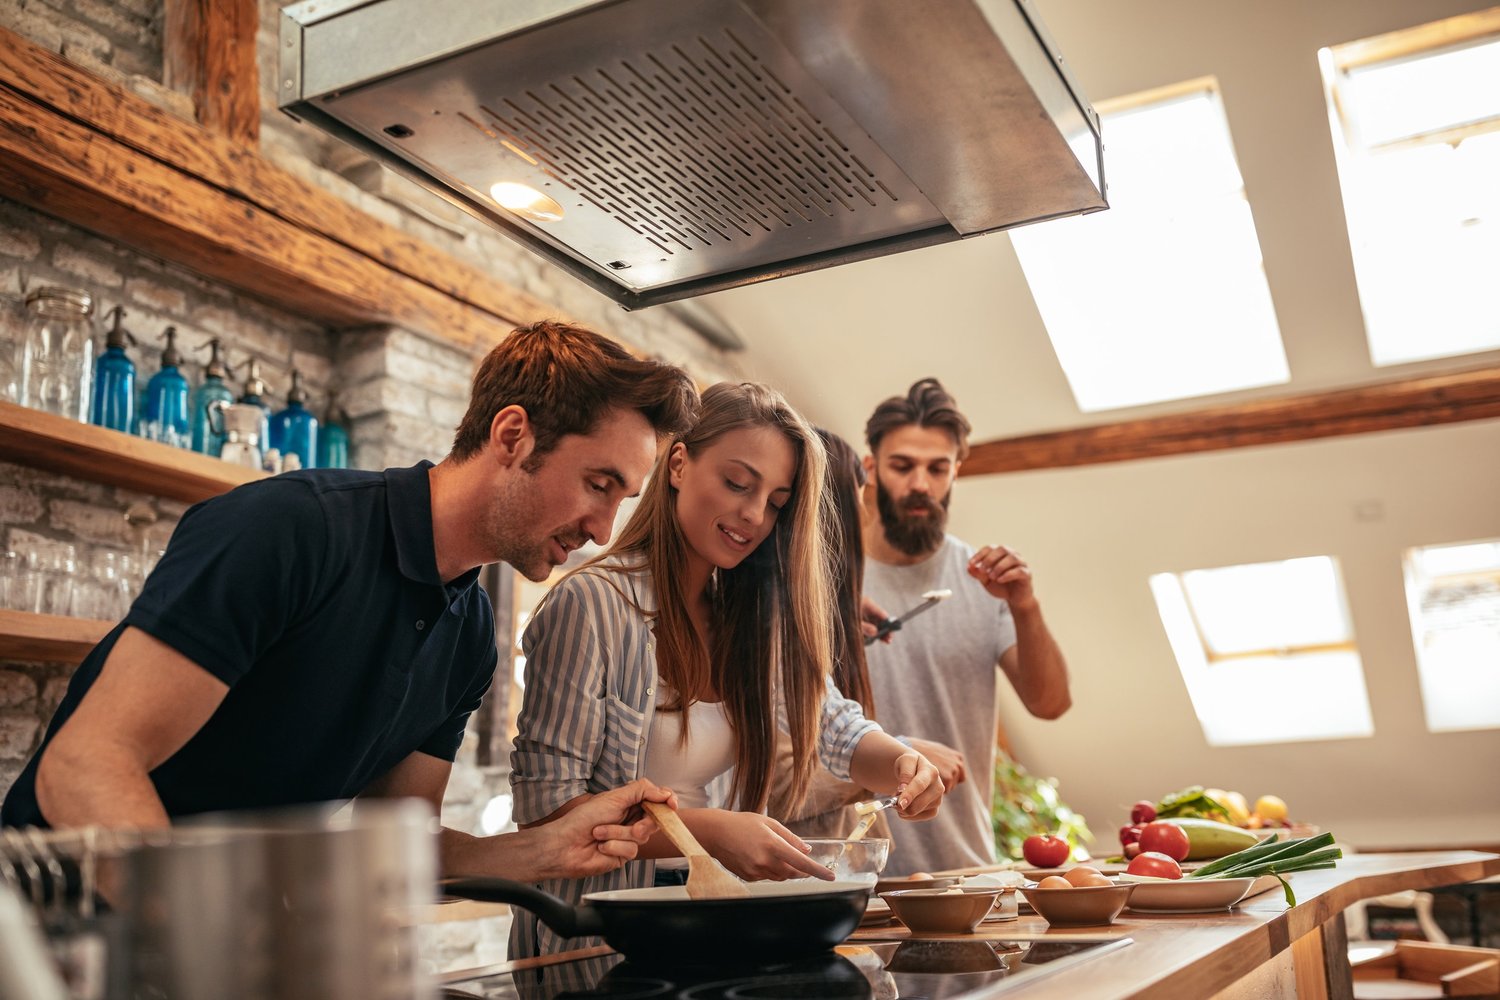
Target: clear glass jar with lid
x=58, y=359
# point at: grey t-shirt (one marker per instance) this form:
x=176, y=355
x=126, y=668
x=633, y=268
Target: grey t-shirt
x=938, y=680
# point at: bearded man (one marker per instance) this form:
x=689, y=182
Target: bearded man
x=939, y=678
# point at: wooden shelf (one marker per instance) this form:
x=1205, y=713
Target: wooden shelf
x=57, y=444
x=48, y=638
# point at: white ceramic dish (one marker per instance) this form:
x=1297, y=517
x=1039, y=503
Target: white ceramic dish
x=1188, y=895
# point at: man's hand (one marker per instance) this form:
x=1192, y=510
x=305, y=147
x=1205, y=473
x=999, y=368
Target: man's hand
x=601, y=833
x=948, y=761
x=753, y=846
x=1004, y=574
x=872, y=616
x=919, y=789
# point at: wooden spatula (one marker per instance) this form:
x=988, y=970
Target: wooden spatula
x=707, y=879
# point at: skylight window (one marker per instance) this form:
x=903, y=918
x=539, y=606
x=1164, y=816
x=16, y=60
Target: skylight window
x=1244, y=636
x=1453, y=592
x=1163, y=296
x=1416, y=133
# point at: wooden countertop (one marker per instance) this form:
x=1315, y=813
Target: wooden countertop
x=1197, y=955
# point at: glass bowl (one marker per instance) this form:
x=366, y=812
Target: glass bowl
x=852, y=860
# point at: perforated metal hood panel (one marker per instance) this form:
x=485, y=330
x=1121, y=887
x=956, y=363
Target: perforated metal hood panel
x=699, y=144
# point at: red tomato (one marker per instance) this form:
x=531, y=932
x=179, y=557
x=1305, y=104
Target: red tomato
x=1155, y=865
x=1132, y=850
x=1129, y=835
x=1045, y=851
x=1164, y=838
x=1142, y=812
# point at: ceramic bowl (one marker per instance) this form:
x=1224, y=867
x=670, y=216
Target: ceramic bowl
x=941, y=911
x=852, y=860
x=1079, y=906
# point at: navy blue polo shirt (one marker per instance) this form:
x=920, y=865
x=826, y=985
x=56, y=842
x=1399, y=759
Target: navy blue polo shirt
x=315, y=597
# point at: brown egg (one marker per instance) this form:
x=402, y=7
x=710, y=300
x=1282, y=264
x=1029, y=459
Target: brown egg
x=1078, y=873
x=1091, y=880
x=1054, y=882
x=920, y=876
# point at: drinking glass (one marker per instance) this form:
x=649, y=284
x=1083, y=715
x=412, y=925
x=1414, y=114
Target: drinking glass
x=60, y=564
x=10, y=578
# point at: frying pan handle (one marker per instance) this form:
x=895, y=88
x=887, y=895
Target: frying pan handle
x=564, y=919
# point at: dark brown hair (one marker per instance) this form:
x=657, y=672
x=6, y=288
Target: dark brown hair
x=845, y=479
x=566, y=378
x=926, y=404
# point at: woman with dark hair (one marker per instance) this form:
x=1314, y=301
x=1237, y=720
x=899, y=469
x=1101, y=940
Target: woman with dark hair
x=827, y=810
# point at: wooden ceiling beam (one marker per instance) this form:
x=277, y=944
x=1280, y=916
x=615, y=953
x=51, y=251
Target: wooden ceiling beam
x=229, y=180
x=208, y=50
x=1414, y=402
x=64, y=169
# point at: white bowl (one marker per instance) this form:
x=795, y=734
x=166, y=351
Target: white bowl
x=1188, y=895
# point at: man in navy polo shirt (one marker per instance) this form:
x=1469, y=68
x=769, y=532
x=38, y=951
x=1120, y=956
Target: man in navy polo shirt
x=321, y=635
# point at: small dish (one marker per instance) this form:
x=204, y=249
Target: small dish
x=890, y=884
x=1188, y=895
x=1082, y=906
x=941, y=911
x=851, y=860
x=1007, y=906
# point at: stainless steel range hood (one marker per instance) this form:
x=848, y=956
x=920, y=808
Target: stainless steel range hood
x=659, y=149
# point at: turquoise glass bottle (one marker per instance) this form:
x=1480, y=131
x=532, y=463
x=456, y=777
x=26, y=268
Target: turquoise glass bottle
x=114, y=380
x=214, y=388
x=254, y=394
x=166, y=413
x=294, y=431
x=333, y=437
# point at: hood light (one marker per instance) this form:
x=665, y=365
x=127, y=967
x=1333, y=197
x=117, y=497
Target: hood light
x=527, y=201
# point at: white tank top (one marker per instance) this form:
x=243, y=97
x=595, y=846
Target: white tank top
x=688, y=768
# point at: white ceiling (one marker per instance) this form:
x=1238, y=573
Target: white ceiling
x=839, y=341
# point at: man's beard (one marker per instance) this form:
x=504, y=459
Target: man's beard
x=913, y=534
x=510, y=525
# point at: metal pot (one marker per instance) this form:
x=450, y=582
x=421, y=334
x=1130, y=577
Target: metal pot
x=779, y=921
x=309, y=904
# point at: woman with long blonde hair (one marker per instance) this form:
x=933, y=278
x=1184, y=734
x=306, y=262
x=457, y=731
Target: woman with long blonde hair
x=678, y=653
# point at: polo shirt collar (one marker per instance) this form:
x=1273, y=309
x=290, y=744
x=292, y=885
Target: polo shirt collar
x=409, y=503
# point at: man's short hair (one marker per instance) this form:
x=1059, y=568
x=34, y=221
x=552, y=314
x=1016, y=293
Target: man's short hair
x=926, y=404
x=566, y=378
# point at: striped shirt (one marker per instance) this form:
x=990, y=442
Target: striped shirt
x=591, y=681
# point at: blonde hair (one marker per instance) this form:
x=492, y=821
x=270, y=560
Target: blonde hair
x=771, y=613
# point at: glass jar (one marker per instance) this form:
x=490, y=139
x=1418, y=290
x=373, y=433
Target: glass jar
x=58, y=359
x=12, y=336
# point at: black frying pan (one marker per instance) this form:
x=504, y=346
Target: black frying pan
x=778, y=922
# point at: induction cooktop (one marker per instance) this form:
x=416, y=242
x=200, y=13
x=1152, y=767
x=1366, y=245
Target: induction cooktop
x=869, y=970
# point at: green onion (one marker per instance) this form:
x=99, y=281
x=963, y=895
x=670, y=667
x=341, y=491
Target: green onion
x=1276, y=858
x=1266, y=851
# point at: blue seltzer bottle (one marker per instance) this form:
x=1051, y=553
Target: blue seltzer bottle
x=214, y=388
x=294, y=430
x=166, y=415
x=114, y=380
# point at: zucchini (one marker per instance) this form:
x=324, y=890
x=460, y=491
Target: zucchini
x=1210, y=839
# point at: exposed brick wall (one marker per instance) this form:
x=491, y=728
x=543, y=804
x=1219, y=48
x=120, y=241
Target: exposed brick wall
x=39, y=508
